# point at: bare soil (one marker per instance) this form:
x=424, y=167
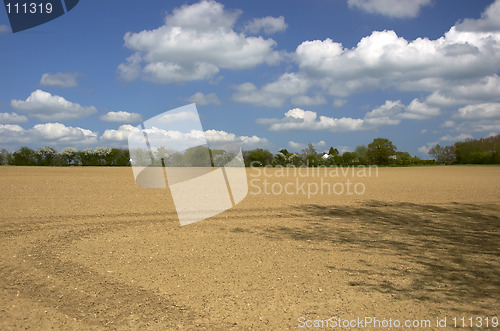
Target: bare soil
x=86, y=248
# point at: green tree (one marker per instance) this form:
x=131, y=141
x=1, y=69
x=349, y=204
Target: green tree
x=69, y=155
x=88, y=157
x=24, y=156
x=119, y=157
x=279, y=159
x=257, y=157
x=199, y=156
x=333, y=151
x=403, y=158
x=361, y=155
x=45, y=156
x=4, y=156
x=437, y=152
x=295, y=160
x=310, y=155
x=380, y=151
x=348, y=158
x=284, y=151
x=328, y=160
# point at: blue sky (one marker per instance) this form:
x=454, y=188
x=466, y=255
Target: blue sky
x=270, y=74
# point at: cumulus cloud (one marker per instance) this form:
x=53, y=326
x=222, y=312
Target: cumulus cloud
x=267, y=25
x=299, y=146
x=337, y=103
x=121, y=117
x=304, y=100
x=68, y=79
x=220, y=137
x=272, y=94
x=385, y=59
x=119, y=135
x=52, y=134
x=417, y=110
x=458, y=68
x=216, y=138
x=484, y=117
x=4, y=29
x=295, y=145
x=479, y=111
x=390, y=113
x=391, y=8
x=47, y=107
x=489, y=21
x=448, y=124
x=180, y=116
x=460, y=137
x=195, y=42
x=12, y=118
x=204, y=99
x=387, y=114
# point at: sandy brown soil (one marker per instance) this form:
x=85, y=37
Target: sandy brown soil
x=86, y=248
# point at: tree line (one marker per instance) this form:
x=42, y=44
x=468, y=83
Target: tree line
x=48, y=156
x=471, y=151
x=380, y=151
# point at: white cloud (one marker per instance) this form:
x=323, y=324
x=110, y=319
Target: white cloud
x=295, y=145
x=423, y=131
x=309, y=122
x=391, y=8
x=480, y=111
x=195, y=42
x=484, y=125
x=68, y=79
x=390, y=113
x=489, y=21
x=48, y=107
x=440, y=100
x=417, y=110
x=4, y=29
x=448, y=124
x=267, y=25
x=180, y=116
x=204, y=99
x=460, y=137
x=51, y=134
x=384, y=59
x=119, y=135
x=458, y=68
x=320, y=144
x=121, y=117
x=12, y=118
x=304, y=100
x=273, y=94
x=337, y=103
x=218, y=138
x=387, y=114
x=299, y=146
x=483, y=117
x=305, y=115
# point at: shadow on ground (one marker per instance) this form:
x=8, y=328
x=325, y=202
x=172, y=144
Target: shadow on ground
x=447, y=253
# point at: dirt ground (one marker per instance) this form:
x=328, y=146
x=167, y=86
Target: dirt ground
x=86, y=248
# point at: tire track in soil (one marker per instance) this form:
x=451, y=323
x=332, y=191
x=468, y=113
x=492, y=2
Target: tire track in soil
x=85, y=294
